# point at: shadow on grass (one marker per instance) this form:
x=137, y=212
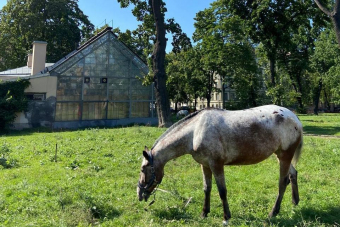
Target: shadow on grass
x=101, y=213
x=30, y=131
x=311, y=215
x=321, y=130
x=173, y=214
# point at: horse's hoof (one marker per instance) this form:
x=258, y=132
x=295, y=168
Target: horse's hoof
x=272, y=214
x=225, y=223
x=204, y=214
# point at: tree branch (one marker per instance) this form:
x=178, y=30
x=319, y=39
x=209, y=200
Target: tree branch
x=323, y=9
x=337, y=6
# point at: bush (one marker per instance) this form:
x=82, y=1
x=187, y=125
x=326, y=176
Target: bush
x=12, y=100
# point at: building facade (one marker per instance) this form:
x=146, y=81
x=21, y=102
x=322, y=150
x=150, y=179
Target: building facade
x=96, y=85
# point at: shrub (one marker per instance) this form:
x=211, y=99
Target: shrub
x=12, y=101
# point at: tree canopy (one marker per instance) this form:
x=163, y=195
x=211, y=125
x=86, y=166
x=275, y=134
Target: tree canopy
x=61, y=23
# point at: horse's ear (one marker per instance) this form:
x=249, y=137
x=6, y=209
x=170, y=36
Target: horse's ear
x=146, y=149
x=145, y=154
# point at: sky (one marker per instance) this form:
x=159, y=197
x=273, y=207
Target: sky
x=109, y=11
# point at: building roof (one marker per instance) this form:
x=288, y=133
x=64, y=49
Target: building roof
x=21, y=72
x=92, y=43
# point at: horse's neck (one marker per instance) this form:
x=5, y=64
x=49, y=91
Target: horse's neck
x=163, y=156
x=174, y=144
x=164, y=152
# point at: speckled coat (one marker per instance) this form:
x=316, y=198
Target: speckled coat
x=216, y=137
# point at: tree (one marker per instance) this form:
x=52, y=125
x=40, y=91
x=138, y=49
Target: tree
x=225, y=52
x=273, y=24
x=326, y=64
x=334, y=15
x=58, y=22
x=176, y=78
x=12, y=101
x=153, y=28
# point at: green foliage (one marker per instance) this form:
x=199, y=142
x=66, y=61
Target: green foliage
x=58, y=22
x=12, y=101
x=177, y=82
x=284, y=33
x=326, y=64
x=143, y=38
x=225, y=50
x=94, y=182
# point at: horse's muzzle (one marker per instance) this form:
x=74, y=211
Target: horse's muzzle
x=142, y=195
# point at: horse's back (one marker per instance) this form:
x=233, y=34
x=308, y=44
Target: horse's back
x=246, y=136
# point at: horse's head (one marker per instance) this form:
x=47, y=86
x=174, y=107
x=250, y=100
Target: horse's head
x=147, y=180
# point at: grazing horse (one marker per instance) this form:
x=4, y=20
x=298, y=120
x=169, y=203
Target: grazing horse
x=216, y=137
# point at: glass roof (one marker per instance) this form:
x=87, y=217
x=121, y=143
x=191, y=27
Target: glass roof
x=102, y=41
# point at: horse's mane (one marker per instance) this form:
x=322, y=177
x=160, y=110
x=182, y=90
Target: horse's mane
x=180, y=122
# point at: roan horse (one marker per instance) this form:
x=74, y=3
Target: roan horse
x=216, y=137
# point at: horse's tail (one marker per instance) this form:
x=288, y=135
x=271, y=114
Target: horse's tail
x=298, y=152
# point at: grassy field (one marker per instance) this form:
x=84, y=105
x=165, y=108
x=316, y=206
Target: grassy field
x=92, y=182
x=325, y=124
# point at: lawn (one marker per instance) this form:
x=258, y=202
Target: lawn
x=324, y=124
x=90, y=178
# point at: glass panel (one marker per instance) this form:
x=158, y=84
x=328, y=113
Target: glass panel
x=118, y=62
x=94, y=90
x=67, y=111
x=119, y=89
x=135, y=72
x=117, y=110
x=69, y=88
x=94, y=110
x=75, y=70
x=140, y=92
x=141, y=109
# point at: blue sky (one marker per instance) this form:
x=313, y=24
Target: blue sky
x=100, y=11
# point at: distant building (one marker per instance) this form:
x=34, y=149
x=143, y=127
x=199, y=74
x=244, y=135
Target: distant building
x=95, y=85
x=216, y=98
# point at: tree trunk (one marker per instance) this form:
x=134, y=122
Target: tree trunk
x=336, y=23
x=317, y=97
x=272, y=70
x=210, y=87
x=223, y=95
x=334, y=15
x=326, y=100
x=297, y=90
x=195, y=104
x=252, y=97
x=158, y=56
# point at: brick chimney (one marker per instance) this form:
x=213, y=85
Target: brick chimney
x=29, y=60
x=38, y=57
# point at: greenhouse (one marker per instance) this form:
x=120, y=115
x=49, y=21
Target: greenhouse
x=99, y=84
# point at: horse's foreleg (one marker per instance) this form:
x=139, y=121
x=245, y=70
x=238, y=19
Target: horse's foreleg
x=293, y=181
x=207, y=179
x=283, y=182
x=220, y=181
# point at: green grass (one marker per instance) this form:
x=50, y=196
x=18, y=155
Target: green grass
x=323, y=124
x=93, y=183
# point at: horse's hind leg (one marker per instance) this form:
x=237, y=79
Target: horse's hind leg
x=283, y=182
x=207, y=180
x=293, y=181
x=218, y=172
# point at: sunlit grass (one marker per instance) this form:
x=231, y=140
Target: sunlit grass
x=94, y=182
x=323, y=124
